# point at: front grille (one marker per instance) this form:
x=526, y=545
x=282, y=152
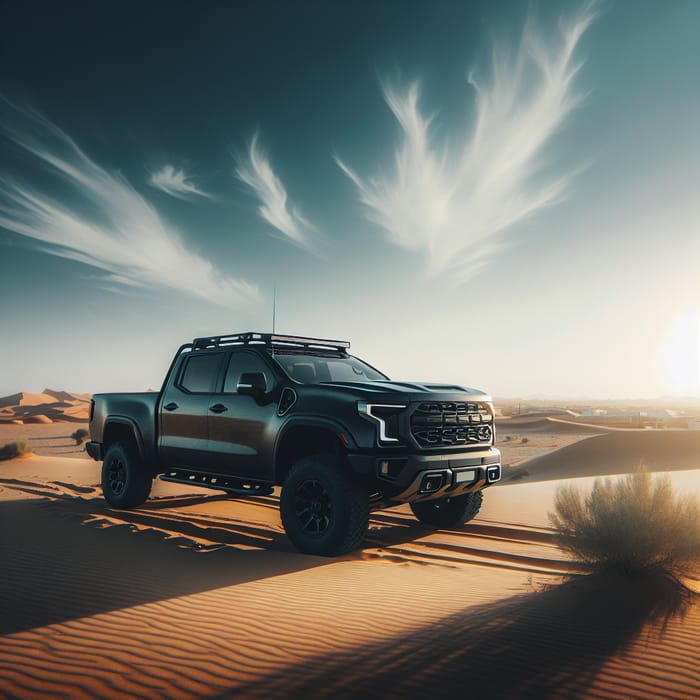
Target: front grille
x=445, y=423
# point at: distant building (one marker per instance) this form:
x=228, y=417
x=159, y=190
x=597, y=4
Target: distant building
x=561, y=412
x=594, y=412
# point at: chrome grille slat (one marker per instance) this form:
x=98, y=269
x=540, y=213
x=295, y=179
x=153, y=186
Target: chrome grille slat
x=445, y=423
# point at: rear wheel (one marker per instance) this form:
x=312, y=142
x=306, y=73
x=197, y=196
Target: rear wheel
x=125, y=483
x=450, y=511
x=323, y=510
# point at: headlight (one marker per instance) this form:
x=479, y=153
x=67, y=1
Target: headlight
x=386, y=416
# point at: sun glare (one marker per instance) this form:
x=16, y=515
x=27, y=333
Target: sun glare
x=682, y=356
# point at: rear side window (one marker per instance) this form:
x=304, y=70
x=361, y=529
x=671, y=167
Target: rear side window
x=200, y=373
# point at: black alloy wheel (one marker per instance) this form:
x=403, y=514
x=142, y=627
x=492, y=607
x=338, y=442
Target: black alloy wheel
x=125, y=480
x=324, y=510
x=116, y=475
x=313, y=507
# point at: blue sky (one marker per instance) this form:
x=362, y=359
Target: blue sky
x=498, y=194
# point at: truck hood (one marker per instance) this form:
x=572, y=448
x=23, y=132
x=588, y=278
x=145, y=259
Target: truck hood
x=382, y=390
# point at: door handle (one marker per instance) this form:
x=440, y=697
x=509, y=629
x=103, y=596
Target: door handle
x=170, y=406
x=218, y=408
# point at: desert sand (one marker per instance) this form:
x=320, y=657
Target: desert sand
x=47, y=407
x=199, y=595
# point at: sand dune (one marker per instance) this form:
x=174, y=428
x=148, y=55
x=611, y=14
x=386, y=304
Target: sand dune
x=616, y=452
x=195, y=594
x=67, y=395
x=549, y=425
x=558, y=643
x=48, y=407
x=35, y=418
x=24, y=398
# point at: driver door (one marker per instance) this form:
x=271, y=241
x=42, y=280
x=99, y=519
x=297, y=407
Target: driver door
x=238, y=441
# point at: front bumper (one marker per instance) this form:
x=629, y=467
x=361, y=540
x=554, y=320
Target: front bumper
x=427, y=477
x=450, y=482
x=95, y=450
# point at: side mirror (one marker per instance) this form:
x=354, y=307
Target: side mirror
x=252, y=384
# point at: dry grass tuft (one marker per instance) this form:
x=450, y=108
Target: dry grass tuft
x=15, y=449
x=80, y=436
x=635, y=526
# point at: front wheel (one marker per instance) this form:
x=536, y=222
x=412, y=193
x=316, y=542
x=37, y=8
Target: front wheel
x=449, y=511
x=124, y=481
x=323, y=510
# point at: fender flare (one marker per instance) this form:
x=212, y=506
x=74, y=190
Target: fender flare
x=301, y=421
x=130, y=423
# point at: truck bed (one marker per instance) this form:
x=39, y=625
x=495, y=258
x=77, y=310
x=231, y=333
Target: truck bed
x=137, y=411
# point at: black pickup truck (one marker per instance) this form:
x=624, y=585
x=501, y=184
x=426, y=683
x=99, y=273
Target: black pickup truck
x=246, y=412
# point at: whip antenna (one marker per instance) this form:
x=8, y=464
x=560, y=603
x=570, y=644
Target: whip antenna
x=274, y=306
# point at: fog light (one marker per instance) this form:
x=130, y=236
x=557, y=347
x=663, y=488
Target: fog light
x=432, y=483
x=390, y=468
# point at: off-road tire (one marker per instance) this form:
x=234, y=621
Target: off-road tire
x=125, y=483
x=324, y=511
x=448, y=512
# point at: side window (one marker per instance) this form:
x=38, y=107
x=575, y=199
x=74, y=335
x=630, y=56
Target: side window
x=200, y=373
x=241, y=363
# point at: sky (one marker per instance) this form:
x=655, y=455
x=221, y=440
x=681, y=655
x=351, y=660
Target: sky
x=498, y=194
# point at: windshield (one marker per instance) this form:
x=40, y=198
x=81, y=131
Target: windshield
x=318, y=368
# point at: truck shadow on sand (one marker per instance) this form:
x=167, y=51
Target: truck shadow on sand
x=68, y=554
x=176, y=517
x=67, y=557
x=546, y=644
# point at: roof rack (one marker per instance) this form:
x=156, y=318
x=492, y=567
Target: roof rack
x=268, y=339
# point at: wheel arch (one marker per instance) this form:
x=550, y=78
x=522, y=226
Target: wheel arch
x=301, y=437
x=119, y=428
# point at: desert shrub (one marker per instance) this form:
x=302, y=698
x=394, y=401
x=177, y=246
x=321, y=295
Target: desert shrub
x=634, y=525
x=15, y=449
x=525, y=440
x=507, y=438
x=80, y=436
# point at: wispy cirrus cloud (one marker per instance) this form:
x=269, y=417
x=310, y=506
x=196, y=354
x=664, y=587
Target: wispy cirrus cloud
x=110, y=226
x=256, y=172
x=175, y=183
x=451, y=203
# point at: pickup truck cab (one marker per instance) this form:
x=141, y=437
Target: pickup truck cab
x=245, y=412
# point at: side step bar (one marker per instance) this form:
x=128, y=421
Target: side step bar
x=220, y=482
